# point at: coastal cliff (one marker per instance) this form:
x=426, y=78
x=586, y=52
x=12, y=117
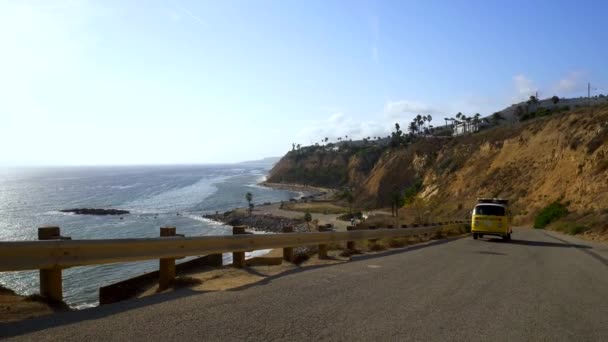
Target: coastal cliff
x=563, y=157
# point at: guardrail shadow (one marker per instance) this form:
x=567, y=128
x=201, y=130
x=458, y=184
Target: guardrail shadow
x=537, y=243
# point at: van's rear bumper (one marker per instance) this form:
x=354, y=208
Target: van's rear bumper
x=485, y=232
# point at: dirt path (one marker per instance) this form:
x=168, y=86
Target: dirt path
x=274, y=209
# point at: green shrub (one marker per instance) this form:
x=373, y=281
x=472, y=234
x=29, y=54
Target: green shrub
x=411, y=191
x=549, y=214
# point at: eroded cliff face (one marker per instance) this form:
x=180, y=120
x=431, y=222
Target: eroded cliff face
x=326, y=167
x=562, y=157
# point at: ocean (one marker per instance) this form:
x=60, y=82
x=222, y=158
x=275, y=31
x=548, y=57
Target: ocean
x=156, y=196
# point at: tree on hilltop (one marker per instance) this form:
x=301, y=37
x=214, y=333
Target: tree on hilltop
x=397, y=138
x=533, y=102
x=412, y=128
x=496, y=117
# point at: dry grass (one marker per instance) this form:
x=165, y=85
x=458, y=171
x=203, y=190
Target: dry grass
x=376, y=246
x=316, y=207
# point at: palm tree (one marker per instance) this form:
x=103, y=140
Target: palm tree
x=463, y=121
x=412, y=128
x=307, y=218
x=476, y=121
x=249, y=198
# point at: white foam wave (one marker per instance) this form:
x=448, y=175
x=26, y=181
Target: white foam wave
x=57, y=212
x=204, y=219
x=124, y=186
x=84, y=306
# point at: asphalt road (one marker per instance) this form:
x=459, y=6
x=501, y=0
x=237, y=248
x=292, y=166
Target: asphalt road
x=537, y=288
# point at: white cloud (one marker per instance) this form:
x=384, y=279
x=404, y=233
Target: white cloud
x=405, y=108
x=524, y=87
x=338, y=124
x=571, y=83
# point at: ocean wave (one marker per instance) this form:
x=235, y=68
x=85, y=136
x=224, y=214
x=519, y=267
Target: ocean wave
x=177, y=199
x=123, y=186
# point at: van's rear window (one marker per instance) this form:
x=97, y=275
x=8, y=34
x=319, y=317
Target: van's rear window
x=492, y=210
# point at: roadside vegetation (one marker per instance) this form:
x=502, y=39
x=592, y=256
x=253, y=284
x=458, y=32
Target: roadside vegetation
x=550, y=213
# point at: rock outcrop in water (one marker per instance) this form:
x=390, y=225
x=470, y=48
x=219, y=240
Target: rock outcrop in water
x=267, y=223
x=92, y=211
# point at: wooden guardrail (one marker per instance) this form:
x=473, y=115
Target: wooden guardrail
x=52, y=253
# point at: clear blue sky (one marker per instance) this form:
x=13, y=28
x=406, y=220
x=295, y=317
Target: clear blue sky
x=160, y=82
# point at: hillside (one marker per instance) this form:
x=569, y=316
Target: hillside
x=561, y=157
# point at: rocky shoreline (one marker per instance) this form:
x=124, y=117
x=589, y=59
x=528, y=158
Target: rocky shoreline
x=265, y=223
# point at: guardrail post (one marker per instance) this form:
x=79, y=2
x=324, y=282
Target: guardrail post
x=323, y=247
x=166, y=269
x=238, y=258
x=350, y=245
x=288, y=251
x=50, y=279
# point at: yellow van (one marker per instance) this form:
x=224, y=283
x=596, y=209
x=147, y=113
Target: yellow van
x=491, y=216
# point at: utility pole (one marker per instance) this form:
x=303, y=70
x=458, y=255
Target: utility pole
x=589, y=97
